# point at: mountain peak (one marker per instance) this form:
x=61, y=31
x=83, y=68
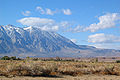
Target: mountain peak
x=10, y=25
x=32, y=41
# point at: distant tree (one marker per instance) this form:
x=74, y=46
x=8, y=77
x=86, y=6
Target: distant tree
x=27, y=57
x=10, y=58
x=5, y=58
x=118, y=61
x=113, y=58
x=96, y=59
x=58, y=59
x=13, y=58
x=51, y=59
x=35, y=59
x=19, y=59
x=72, y=59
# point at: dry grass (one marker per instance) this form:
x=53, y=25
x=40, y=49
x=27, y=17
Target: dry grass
x=12, y=68
x=84, y=77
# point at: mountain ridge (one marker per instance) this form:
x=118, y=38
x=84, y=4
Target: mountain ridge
x=36, y=42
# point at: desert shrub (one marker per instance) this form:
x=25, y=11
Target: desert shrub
x=5, y=58
x=13, y=58
x=54, y=68
x=10, y=58
x=58, y=59
x=118, y=61
x=35, y=59
x=29, y=68
x=116, y=70
x=17, y=71
x=96, y=60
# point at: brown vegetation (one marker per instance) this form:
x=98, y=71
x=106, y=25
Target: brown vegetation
x=11, y=68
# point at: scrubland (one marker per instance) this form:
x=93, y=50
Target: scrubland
x=58, y=70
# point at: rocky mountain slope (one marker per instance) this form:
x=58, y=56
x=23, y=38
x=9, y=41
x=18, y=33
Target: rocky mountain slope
x=32, y=41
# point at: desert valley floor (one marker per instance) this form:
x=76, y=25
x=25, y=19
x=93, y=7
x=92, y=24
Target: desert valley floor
x=84, y=77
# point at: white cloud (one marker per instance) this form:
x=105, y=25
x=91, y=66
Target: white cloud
x=74, y=40
x=50, y=28
x=78, y=28
x=105, y=21
x=50, y=12
x=107, y=46
x=35, y=21
x=102, y=38
x=104, y=41
x=43, y=23
x=26, y=13
x=46, y=11
x=40, y=9
x=65, y=24
x=67, y=11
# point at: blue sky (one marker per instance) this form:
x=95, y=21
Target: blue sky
x=85, y=22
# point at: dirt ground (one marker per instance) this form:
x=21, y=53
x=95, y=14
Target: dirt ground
x=84, y=77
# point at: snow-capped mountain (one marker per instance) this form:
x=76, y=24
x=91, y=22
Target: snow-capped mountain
x=32, y=41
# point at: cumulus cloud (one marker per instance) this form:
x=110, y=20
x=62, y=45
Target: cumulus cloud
x=35, y=21
x=102, y=38
x=106, y=21
x=107, y=46
x=67, y=11
x=77, y=29
x=74, y=40
x=48, y=11
x=50, y=28
x=26, y=13
x=65, y=24
x=43, y=23
x=40, y=9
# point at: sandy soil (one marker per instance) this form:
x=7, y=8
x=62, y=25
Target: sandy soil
x=84, y=77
